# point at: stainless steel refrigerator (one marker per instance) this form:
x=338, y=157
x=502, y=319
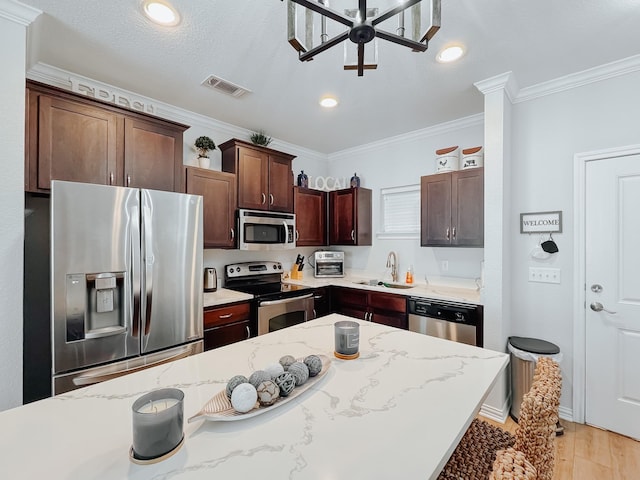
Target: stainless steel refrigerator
x=126, y=280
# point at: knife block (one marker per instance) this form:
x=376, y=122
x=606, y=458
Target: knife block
x=295, y=273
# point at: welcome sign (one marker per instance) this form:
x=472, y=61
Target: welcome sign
x=541, y=222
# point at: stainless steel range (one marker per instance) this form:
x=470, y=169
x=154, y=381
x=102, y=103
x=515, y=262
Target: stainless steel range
x=279, y=305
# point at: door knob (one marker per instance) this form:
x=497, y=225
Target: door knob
x=598, y=307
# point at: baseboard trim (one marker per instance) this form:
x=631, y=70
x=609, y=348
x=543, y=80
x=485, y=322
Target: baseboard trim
x=496, y=414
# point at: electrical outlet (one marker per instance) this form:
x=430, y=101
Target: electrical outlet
x=544, y=275
x=444, y=265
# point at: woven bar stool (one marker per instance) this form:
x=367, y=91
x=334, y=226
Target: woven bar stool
x=474, y=457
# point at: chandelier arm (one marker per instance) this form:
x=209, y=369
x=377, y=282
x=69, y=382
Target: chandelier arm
x=323, y=46
x=390, y=37
x=326, y=11
x=393, y=11
x=360, y=59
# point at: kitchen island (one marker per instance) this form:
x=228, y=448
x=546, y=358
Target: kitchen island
x=398, y=411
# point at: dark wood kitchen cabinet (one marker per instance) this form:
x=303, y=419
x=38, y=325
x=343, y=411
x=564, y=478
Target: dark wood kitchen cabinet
x=77, y=138
x=379, y=307
x=226, y=324
x=310, y=207
x=452, y=209
x=218, y=190
x=322, y=301
x=350, y=217
x=264, y=176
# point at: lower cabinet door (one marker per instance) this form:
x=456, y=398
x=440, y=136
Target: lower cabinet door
x=226, y=334
x=390, y=319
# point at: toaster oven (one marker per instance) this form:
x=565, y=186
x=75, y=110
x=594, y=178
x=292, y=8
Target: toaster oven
x=328, y=264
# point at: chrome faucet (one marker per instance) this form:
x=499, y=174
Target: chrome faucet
x=392, y=262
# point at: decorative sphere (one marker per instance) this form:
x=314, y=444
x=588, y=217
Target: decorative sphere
x=286, y=361
x=233, y=383
x=258, y=377
x=286, y=383
x=268, y=393
x=314, y=364
x=244, y=397
x=300, y=372
x=274, y=369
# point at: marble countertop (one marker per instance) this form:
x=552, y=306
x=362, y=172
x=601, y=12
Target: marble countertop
x=396, y=412
x=436, y=292
x=223, y=296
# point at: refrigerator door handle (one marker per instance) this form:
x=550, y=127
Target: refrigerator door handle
x=89, y=379
x=105, y=332
x=147, y=236
x=134, y=277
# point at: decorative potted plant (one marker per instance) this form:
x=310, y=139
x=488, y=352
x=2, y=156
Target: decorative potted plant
x=203, y=145
x=260, y=138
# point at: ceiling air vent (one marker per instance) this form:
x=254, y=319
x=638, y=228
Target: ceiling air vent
x=225, y=86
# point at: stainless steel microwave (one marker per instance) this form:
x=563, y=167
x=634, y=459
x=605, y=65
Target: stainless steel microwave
x=262, y=230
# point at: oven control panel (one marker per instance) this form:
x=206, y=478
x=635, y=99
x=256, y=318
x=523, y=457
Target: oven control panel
x=238, y=270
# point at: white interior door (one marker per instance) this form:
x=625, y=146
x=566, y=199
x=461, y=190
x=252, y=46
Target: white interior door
x=612, y=276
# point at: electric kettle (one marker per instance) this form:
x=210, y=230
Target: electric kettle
x=210, y=280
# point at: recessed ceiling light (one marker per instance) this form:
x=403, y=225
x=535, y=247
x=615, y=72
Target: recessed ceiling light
x=328, y=102
x=450, y=54
x=161, y=12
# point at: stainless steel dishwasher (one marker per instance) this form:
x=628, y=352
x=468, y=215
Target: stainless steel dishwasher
x=460, y=322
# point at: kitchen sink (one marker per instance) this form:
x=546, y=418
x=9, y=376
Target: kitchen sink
x=397, y=285
x=378, y=283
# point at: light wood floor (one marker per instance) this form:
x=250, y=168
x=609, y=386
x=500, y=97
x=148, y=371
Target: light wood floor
x=587, y=453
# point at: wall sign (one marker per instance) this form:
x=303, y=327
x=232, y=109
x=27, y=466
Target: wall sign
x=541, y=222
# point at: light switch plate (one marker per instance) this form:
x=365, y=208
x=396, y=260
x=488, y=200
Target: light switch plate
x=544, y=275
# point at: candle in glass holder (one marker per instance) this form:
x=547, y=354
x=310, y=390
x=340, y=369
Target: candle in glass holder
x=347, y=338
x=158, y=419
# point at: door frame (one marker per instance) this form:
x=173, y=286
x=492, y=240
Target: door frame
x=579, y=271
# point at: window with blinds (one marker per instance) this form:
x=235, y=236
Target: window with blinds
x=400, y=207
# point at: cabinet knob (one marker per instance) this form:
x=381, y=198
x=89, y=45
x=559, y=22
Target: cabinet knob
x=264, y=198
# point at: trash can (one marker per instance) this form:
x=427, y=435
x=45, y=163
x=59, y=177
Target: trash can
x=524, y=354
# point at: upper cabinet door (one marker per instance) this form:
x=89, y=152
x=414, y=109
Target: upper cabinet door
x=467, y=207
x=435, y=211
x=218, y=190
x=76, y=142
x=280, y=184
x=350, y=217
x=253, y=176
x=150, y=152
x=310, y=207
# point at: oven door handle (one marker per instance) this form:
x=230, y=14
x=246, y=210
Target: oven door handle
x=284, y=300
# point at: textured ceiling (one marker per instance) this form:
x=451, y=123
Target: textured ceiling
x=244, y=41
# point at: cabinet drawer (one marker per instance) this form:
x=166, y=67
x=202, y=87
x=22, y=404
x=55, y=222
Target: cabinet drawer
x=225, y=315
x=388, y=301
x=350, y=296
x=221, y=336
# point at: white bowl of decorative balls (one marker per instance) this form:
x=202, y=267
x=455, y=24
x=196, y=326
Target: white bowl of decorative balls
x=274, y=381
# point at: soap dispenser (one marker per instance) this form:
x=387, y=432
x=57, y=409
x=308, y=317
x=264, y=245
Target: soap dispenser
x=409, y=276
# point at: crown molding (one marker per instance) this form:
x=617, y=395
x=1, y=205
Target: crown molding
x=505, y=81
x=18, y=12
x=440, y=129
x=66, y=80
x=585, y=77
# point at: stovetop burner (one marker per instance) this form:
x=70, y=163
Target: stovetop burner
x=261, y=279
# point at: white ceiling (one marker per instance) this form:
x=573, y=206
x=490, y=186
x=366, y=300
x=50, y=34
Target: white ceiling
x=244, y=41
